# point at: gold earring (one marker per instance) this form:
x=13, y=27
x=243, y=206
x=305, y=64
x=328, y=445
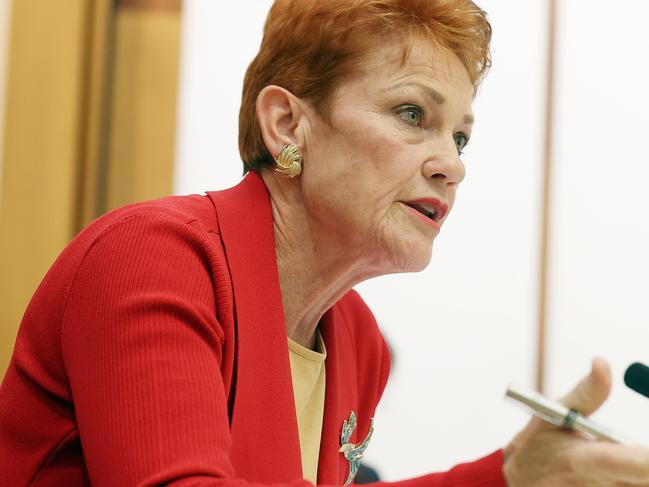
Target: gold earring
x=289, y=161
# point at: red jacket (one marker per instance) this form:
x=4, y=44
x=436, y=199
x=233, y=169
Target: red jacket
x=154, y=352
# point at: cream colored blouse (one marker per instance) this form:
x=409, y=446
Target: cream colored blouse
x=308, y=374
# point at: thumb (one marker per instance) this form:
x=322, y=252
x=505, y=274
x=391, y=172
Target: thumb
x=591, y=392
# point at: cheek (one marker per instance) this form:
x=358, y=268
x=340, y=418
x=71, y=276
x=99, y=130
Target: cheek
x=363, y=159
x=376, y=162
x=359, y=168
x=376, y=144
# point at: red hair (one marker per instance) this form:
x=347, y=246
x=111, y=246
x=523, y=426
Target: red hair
x=311, y=46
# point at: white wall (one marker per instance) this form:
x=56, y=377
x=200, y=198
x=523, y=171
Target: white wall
x=464, y=328
x=219, y=40
x=5, y=26
x=600, y=266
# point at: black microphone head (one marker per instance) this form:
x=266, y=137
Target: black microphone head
x=636, y=377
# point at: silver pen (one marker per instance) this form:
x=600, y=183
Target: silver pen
x=559, y=415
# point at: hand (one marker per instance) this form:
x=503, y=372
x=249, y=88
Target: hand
x=542, y=455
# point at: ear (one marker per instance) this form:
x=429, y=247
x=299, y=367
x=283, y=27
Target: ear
x=279, y=114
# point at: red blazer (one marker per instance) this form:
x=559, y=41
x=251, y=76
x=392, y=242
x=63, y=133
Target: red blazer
x=154, y=352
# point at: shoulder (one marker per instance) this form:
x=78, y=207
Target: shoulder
x=171, y=235
x=161, y=220
x=195, y=210
x=169, y=240
x=160, y=249
x=148, y=259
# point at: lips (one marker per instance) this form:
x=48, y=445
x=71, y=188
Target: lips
x=431, y=208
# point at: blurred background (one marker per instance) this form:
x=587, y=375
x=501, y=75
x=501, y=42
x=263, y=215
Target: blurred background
x=542, y=265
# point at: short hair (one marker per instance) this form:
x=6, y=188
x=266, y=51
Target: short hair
x=310, y=46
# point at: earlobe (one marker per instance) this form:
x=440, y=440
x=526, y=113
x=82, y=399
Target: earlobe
x=278, y=115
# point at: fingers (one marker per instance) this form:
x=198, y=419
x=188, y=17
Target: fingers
x=621, y=463
x=591, y=392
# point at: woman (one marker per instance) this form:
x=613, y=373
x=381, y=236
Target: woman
x=155, y=350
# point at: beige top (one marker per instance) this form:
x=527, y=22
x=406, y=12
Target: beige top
x=308, y=373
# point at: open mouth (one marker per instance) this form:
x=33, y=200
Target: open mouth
x=432, y=213
x=431, y=208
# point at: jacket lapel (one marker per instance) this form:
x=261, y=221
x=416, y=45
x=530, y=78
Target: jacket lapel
x=265, y=441
x=341, y=397
x=330, y=461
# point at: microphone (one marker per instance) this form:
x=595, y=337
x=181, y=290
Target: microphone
x=636, y=377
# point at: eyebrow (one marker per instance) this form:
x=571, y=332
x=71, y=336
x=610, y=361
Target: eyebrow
x=434, y=95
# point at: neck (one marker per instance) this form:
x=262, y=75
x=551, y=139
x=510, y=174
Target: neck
x=314, y=273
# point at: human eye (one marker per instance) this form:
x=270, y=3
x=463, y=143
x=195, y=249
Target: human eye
x=412, y=114
x=461, y=141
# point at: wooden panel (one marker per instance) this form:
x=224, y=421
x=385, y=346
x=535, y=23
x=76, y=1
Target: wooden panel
x=151, y=4
x=99, y=39
x=143, y=118
x=90, y=125
x=41, y=151
x=544, y=257
x=5, y=17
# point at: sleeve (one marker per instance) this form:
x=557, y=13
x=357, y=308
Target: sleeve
x=485, y=472
x=142, y=351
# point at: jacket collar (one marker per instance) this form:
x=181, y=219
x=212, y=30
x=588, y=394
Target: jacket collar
x=265, y=441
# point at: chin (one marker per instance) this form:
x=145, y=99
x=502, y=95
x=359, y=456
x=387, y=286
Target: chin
x=420, y=264
x=414, y=258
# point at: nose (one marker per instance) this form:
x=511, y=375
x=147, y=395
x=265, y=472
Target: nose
x=444, y=163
